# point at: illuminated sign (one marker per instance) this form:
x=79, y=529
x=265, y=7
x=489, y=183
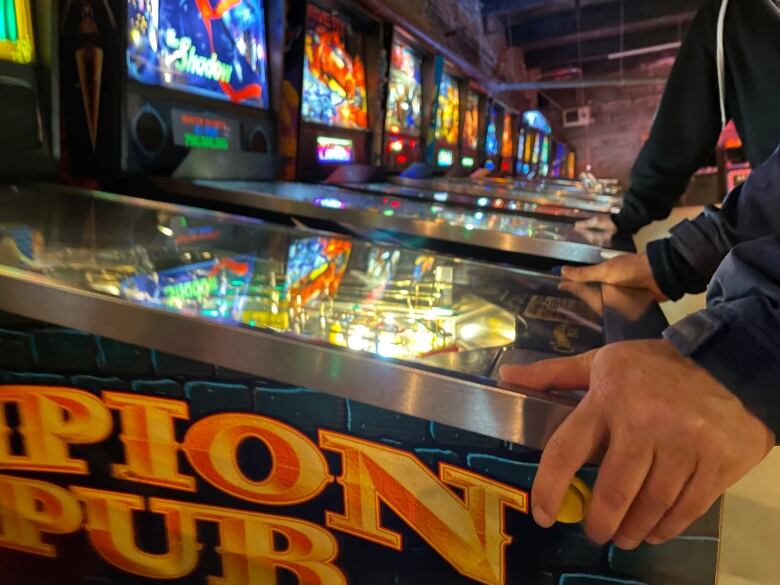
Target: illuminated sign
x=455, y=526
x=335, y=150
x=490, y=165
x=329, y=202
x=203, y=131
x=16, y=35
x=445, y=158
x=467, y=162
x=208, y=48
x=536, y=120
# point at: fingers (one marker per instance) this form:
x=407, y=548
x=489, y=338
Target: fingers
x=592, y=295
x=587, y=224
x=596, y=273
x=698, y=496
x=621, y=476
x=602, y=223
x=572, y=373
x=670, y=473
x=569, y=448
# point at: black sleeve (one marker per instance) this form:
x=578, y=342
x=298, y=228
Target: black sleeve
x=686, y=261
x=672, y=272
x=685, y=130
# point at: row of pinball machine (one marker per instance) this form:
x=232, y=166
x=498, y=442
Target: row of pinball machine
x=260, y=265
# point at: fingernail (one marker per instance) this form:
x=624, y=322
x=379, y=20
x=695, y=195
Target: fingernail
x=625, y=543
x=556, y=270
x=654, y=540
x=542, y=518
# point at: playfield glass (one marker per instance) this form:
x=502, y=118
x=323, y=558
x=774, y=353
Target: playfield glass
x=213, y=49
x=506, y=137
x=471, y=122
x=334, y=75
x=404, y=99
x=448, y=110
x=16, y=35
x=491, y=140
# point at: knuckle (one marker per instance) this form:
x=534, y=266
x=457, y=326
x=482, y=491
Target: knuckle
x=556, y=451
x=658, y=499
x=615, y=498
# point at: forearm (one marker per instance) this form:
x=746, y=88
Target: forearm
x=737, y=338
x=684, y=132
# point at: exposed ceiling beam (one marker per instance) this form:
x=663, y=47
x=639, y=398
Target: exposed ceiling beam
x=576, y=84
x=533, y=7
x=598, y=49
x=594, y=17
x=608, y=31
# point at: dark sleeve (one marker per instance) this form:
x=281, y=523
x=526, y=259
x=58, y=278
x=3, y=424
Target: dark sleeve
x=685, y=262
x=737, y=338
x=685, y=130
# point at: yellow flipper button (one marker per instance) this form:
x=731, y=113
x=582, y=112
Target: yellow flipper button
x=575, y=502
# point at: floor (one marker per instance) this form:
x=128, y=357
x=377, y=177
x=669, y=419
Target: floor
x=750, y=538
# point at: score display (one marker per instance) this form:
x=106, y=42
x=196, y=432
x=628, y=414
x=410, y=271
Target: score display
x=332, y=150
x=214, y=50
x=201, y=131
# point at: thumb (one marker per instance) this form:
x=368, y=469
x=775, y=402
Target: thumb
x=591, y=222
x=571, y=373
x=582, y=273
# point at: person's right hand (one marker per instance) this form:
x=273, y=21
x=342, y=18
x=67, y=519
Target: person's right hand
x=631, y=270
x=670, y=437
x=601, y=223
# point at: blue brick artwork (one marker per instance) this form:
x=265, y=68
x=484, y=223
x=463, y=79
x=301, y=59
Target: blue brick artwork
x=382, y=499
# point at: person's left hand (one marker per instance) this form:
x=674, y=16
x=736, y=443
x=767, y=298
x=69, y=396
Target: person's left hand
x=631, y=270
x=628, y=302
x=673, y=439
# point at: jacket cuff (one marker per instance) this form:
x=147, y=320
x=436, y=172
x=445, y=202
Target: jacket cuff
x=627, y=224
x=671, y=271
x=718, y=341
x=690, y=241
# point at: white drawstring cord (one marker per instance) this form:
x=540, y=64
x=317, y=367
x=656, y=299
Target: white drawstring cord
x=721, y=60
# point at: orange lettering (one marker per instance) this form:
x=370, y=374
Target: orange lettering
x=51, y=419
x=112, y=532
x=468, y=533
x=29, y=508
x=299, y=470
x=249, y=555
x=151, y=450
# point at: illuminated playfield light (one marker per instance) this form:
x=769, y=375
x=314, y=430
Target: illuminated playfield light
x=467, y=162
x=445, y=158
x=335, y=150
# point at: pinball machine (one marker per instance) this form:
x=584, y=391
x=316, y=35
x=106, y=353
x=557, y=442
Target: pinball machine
x=407, y=106
x=189, y=396
x=156, y=123
x=473, y=131
x=446, y=123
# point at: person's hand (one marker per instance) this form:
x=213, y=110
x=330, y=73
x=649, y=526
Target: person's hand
x=631, y=270
x=601, y=223
x=630, y=303
x=673, y=440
